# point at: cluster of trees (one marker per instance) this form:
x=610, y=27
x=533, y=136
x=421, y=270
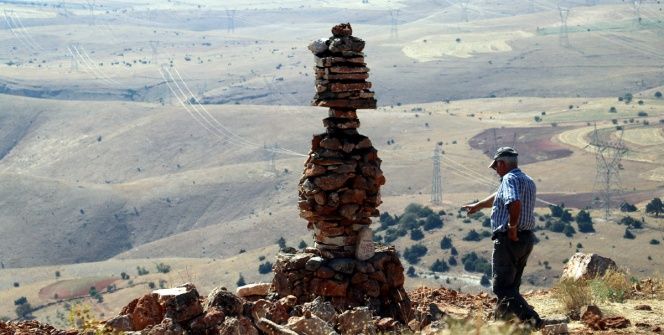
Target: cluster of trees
x=414, y=221
x=560, y=221
x=414, y=253
x=474, y=263
x=473, y=235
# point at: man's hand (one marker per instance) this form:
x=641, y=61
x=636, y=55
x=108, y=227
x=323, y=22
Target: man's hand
x=471, y=208
x=512, y=233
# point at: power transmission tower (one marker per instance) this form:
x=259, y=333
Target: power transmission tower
x=636, y=4
x=154, y=45
x=464, y=10
x=91, y=7
x=230, y=17
x=394, y=23
x=436, y=183
x=607, y=179
x=563, y=37
x=271, y=153
x=62, y=9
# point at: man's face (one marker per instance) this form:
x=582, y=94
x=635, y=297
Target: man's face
x=500, y=167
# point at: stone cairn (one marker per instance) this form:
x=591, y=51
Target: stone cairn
x=339, y=193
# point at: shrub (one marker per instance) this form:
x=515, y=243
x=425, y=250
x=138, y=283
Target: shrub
x=642, y=114
x=142, y=270
x=631, y=222
x=484, y=281
x=240, y=281
x=281, y=242
x=439, y=266
x=452, y=261
x=411, y=272
x=416, y=234
x=627, y=207
x=569, y=230
x=453, y=251
x=614, y=286
x=658, y=94
x=654, y=241
x=474, y=263
x=584, y=222
x=628, y=235
x=472, y=236
x=414, y=253
x=613, y=110
x=264, y=268
x=408, y=221
x=302, y=244
x=433, y=221
x=572, y=295
x=163, y=268
x=446, y=243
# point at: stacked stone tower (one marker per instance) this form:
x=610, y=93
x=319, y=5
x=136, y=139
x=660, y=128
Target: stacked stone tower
x=339, y=193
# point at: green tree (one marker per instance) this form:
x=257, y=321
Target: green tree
x=452, y=261
x=439, y=266
x=281, y=242
x=584, y=221
x=446, y=243
x=302, y=244
x=655, y=206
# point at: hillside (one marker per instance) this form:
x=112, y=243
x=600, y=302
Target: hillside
x=135, y=134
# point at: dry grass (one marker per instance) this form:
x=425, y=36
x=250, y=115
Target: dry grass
x=614, y=286
x=572, y=294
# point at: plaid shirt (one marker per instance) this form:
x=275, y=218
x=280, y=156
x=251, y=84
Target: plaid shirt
x=515, y=185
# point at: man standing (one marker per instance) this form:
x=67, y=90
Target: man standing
x=512, y=221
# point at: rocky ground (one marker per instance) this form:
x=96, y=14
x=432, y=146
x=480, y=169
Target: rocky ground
x=259, y=309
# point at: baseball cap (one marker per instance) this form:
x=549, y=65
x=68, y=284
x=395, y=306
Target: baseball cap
x=503, y=152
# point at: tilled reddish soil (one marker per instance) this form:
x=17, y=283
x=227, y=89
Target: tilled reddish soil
x=533, y=143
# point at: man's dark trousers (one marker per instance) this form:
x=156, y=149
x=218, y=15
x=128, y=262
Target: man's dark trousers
x=509, y=260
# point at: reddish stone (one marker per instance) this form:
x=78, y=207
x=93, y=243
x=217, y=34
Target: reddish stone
x=211, y=319
x=144, y=311
x=314, y=170
x=342, y=29
x=353, y=196
x=324, y=272
x=345, y=76
x=330, y=143
x=332, y=182
x=345, y=87
x=328, y=288
x=342, y=113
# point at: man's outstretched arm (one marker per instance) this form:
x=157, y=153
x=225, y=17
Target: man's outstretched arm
x=486, y=203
